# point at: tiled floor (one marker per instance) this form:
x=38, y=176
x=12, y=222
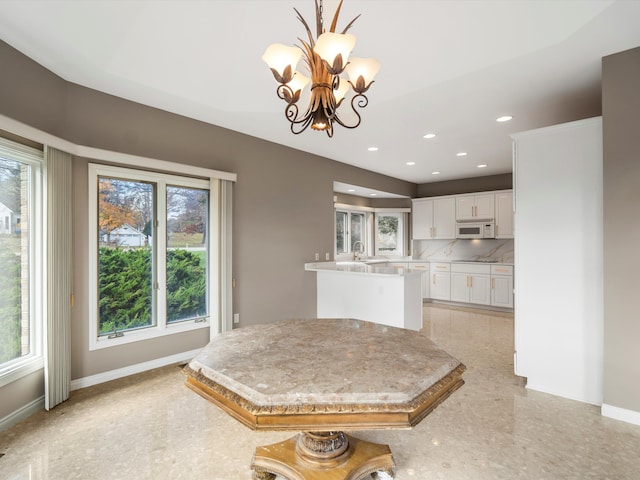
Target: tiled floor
x=150, y=426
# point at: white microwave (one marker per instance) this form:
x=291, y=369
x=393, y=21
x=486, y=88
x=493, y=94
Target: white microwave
x=475, y=230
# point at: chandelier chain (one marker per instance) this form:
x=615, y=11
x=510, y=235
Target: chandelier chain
x=320, y=9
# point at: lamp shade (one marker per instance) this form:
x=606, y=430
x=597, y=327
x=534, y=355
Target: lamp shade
x=299, y=82
x=367, y=68
x=329, y=45
x=279, y=56
x=341, y=91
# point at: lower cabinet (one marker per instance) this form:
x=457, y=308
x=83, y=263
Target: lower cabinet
x=440, y=286
x=471, y=283
x=424, y=268
x=502, y=286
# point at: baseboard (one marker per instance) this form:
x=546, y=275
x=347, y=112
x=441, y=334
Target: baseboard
x=583, y=399
x=617, y=413
x=132, y=369
x=22, y=413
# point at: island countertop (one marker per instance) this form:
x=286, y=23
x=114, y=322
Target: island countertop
x=355, y=267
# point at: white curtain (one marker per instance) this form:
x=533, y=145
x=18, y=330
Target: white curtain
x=59, y=277
x=226, y=252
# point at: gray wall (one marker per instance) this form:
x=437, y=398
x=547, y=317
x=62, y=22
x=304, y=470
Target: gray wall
x=283, y=210
x=466, y=185
x=621, y=127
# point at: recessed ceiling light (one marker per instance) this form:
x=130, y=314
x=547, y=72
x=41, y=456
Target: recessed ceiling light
x=482, y=165
x=373, y=194
x=504, y=118
x=461, y=154
x=435, y=173
x=429, y=135
x=373, y=149
x=351, y=190
x=411, y=163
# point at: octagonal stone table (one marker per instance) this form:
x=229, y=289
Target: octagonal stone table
x=321, y=377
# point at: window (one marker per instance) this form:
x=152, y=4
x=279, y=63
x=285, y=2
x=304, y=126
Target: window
x=351, y=227
x=20, y=260
x=381, y=231
x=150, y=242
x=389, y=233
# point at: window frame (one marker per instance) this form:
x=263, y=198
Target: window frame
x=367, y=230
x=402, y=240
x=161, y=327
x=20, y=367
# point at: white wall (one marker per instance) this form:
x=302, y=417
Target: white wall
x=559, y=259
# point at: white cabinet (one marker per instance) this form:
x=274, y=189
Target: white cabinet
x=471, y=283
x=440, y=287
x=475, y=207
x=502, y=286
x=504, y=214
x=424, y=268
x=433, y=218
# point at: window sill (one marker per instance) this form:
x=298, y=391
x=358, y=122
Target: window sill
x=146, y=334
x=20, y=369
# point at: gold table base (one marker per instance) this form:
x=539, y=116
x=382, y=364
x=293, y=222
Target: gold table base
x=322, y=456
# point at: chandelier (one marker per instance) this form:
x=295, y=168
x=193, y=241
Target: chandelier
x=326, y=59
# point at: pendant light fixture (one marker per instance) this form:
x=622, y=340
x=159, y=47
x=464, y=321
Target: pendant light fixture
x=326, y=59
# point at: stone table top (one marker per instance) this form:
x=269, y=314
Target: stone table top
x=324, y=366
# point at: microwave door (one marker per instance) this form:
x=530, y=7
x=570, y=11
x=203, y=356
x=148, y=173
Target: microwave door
x=469, y=231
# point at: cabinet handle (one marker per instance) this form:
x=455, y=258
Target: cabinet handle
x=471, y=282
x=467, y=280
x=493, y=284
x=434, y=278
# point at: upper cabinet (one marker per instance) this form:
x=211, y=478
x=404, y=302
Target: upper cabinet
x=434, y=218
x=504, y=214
x=475, y=207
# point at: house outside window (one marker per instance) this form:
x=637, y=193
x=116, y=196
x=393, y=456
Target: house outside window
x=150, y=247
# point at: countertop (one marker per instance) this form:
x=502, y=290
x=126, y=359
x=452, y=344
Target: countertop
x=361, y=267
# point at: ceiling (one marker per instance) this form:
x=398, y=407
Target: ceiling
x=448, y=67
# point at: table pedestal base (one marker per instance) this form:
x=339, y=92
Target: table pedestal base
x=323, y=456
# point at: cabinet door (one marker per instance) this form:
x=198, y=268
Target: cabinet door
x=465, y=208
x=502, y=291
x=441, y=286
x=444, y=217
x=504, y=215
x=485, y=207
x=422, y=219
x=424, y=268
x=480, y=289
x=459, y=287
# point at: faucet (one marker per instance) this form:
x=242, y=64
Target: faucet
x=357, y=252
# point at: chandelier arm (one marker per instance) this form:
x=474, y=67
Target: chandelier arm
x=305, y=122
x=362, y=101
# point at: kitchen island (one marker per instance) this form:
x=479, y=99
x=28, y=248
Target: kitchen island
x=368, y=291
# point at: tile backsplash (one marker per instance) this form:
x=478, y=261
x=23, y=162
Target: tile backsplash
x=459, y=249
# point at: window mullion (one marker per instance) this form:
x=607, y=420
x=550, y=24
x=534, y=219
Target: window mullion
x=161, y=255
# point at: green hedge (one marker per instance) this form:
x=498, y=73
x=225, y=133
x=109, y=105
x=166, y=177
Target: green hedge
x=125, y=298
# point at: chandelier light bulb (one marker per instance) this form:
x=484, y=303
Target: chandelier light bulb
x=298, y=82
x=362, y=68
x=279, y=57
x=341, y=91
x=335, y=48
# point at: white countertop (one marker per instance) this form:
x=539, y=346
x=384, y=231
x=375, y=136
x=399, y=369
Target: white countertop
x=369, y=267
